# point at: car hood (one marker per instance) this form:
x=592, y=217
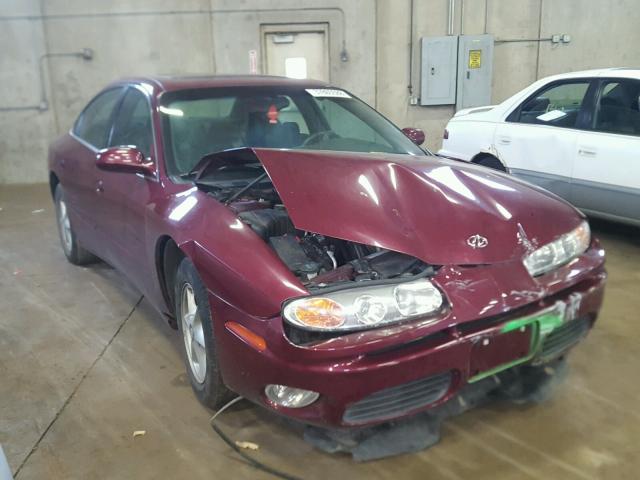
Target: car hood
x=440, y=211
x=473, y=111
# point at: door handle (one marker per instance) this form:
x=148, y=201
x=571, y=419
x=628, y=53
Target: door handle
x=504, y=140
x=587, y=152
x=99, y=187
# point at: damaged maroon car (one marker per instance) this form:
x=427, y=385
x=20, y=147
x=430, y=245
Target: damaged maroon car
x=316, y=260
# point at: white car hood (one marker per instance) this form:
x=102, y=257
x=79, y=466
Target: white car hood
x=474, y=111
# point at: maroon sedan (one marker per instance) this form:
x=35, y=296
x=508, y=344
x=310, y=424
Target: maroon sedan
x=314, y=258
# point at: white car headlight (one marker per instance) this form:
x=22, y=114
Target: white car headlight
x=364, y=307
x=558, y=252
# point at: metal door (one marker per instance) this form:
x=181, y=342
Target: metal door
x=297, y=52
x=439, y=65
x=475, y=69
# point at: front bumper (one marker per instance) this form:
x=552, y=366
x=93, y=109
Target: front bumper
x=365, y=382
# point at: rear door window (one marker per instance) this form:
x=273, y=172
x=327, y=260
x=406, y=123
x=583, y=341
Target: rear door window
x=558, y=105
x=94, y=124
x=618, y=108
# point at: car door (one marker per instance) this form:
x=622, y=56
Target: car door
x=538, y=139
x=124, y=196
x=79, y=178
x=606, y=178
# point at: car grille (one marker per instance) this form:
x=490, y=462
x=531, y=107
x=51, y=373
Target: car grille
x=564, y=337
x=399, y=400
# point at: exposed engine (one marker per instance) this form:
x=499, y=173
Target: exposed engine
x=318, y=260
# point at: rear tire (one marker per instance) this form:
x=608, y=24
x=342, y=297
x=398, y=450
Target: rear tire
x=195, y=325
x=490, y=161
x=70, y=245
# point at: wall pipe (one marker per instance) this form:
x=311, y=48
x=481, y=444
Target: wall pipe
x=517, y=40
x=85, y=53
x=539, y=34
x=344, y=54
x=410, y=86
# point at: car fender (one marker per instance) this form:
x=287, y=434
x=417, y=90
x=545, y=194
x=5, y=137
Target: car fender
x=234, y=263
x=494, y=152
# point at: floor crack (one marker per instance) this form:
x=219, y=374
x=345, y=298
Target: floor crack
x=76, y=388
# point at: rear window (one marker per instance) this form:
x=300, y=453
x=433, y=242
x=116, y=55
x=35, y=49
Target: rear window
x=94, y=123
x=618, y=109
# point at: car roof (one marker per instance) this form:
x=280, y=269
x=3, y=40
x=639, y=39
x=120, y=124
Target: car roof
x=166, y=83
x=616, y=72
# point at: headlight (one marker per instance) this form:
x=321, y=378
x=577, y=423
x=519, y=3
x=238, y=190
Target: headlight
x=362, y=307
x=559, y=252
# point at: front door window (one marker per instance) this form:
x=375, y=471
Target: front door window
x=558, y=105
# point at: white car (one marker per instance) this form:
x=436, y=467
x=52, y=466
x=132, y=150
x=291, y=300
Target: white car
x=576, y=134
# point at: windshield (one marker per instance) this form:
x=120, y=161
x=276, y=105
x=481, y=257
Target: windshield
x=203, y=121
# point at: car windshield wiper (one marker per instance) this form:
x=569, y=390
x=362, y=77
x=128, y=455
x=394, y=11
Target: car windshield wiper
x=247, y=187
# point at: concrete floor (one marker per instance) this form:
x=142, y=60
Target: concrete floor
x=84, y=361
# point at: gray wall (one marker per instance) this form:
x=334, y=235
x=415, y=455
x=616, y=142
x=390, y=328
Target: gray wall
x=214, y=36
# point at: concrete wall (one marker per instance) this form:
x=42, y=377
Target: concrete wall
x=214, y=36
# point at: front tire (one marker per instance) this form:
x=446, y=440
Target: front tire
x=195, y=324
x=490, y=161
x=68, y=239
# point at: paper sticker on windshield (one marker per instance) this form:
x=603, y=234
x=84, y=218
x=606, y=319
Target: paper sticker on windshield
x=327, y=92
x=552, y=115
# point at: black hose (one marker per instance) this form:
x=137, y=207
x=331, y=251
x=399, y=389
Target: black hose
x=252, y=461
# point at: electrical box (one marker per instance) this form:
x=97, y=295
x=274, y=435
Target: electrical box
x=438, y=70
x=475, y=71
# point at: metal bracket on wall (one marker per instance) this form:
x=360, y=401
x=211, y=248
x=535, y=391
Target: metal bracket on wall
x=85, y=54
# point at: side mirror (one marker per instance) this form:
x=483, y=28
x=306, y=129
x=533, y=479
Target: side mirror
x=416, y=135
x=126, y=160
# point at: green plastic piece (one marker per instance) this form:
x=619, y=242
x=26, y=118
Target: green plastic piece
x=541, y=326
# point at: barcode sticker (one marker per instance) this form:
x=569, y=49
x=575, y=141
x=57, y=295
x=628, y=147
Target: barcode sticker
x=327, y=92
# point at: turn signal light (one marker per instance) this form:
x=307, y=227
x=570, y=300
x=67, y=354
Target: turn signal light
x=253, y=339
x=319, y=312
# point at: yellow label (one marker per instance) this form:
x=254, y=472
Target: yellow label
x=475, y=58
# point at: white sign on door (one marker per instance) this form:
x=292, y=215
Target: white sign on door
x=253, y=61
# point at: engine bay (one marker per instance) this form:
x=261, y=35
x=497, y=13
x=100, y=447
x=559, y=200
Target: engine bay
x=317, y=260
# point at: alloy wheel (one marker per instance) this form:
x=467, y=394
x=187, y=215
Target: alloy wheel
x=64, y=225
x=193, y=334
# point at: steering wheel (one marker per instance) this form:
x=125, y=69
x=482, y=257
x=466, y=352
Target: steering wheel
x=319, y=136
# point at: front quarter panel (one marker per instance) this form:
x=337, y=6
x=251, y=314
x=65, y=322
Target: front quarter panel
x=468, y=137
x=235, y=264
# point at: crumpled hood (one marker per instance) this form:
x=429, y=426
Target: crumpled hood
x=440, y=211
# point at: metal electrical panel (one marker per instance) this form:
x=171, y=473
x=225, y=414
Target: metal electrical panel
x=438, y=72
x=475, y=70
